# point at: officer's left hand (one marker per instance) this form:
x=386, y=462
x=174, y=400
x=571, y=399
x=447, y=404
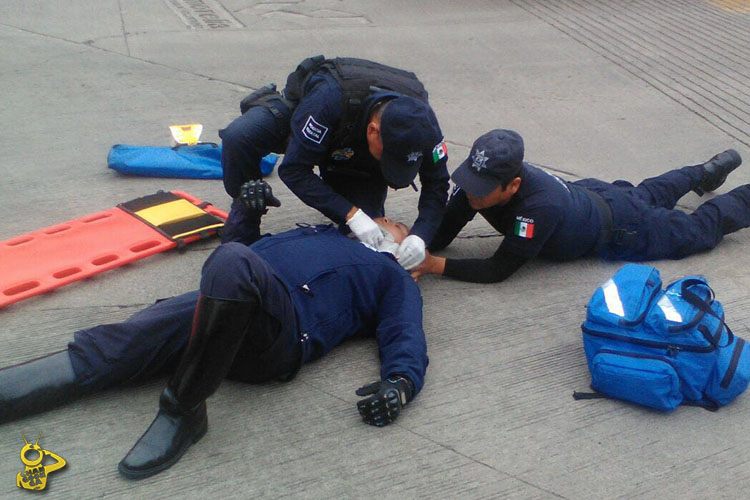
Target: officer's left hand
x=387, y=397
x=257, y=196
x=411, y=252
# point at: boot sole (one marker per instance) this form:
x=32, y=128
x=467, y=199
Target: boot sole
x=142, y=474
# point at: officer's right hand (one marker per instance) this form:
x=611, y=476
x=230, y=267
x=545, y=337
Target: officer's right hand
x=257, y=196
x=365, y=229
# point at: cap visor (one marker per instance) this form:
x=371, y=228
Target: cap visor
x=399, y=174
x=474, y=184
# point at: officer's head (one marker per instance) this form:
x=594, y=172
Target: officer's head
x=492, y=173
x=398, y=230
x=393, y=234
x=399, y=133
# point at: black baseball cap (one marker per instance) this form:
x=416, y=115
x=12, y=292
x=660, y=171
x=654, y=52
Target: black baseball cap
x=495, y=159
x=408, y=128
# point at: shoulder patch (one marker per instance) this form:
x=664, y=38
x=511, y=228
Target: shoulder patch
x=524, y=227
x=314, y=131
x=440, y=151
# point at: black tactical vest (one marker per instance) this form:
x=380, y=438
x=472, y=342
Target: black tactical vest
x=358, y=78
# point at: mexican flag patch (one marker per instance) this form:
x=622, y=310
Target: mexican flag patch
x=524, y=228
x=440, y=151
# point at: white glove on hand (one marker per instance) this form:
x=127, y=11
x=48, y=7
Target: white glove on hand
x=365, y=229
x=411, y=252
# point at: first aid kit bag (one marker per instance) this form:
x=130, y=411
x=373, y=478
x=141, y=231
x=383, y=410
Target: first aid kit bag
x=662, y=347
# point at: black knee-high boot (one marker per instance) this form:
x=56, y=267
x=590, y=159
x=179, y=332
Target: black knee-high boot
x=218, y=329
x=36, y=386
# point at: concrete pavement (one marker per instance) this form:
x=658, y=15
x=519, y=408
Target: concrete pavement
x=611, y=89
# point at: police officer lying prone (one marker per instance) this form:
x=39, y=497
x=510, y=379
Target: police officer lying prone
x=541, y=214
x=261, y=312
x=366, y=126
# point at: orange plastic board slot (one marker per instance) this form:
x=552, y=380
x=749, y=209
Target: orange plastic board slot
x=55, y=256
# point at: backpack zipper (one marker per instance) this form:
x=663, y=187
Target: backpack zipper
x=672, y=349
x=640, y=356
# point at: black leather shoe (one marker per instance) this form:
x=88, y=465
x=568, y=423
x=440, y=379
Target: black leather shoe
x=717, y=169
x=168, y=437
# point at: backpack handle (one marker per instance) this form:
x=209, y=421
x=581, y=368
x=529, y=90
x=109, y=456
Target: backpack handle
x=705, y=306
x=693, y=298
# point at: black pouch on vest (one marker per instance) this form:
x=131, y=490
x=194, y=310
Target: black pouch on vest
x=259, y=97
x=295, y=82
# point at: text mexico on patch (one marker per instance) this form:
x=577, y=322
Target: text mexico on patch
x=524, y=227
x=314, y=130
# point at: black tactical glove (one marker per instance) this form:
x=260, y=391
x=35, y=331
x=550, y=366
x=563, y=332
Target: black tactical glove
x=256, y=196
x=387, y=397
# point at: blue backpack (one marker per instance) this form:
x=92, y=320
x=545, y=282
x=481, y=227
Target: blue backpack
x=662, y=347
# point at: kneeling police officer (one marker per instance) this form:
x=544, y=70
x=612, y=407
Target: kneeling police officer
x=365, y=125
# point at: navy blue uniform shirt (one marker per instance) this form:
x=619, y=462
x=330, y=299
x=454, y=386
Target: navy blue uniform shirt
x=548, y=217
x=340, y=289
x=313, y=125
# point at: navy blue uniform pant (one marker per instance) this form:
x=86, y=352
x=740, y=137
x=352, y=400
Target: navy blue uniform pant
x=647, y=227
x=251, y=136
x=151, y=341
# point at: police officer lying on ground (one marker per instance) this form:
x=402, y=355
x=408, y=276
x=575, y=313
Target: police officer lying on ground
x=365, y=125
x=540, y=214
x=261, y=312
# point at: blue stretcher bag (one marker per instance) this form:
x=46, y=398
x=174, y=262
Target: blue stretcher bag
x=199, y=161
x=661, y=348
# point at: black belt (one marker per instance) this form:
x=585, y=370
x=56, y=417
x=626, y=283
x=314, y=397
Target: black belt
x=606, y=219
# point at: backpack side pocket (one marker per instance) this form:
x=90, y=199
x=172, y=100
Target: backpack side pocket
x=731, y=372
x=644, y=379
